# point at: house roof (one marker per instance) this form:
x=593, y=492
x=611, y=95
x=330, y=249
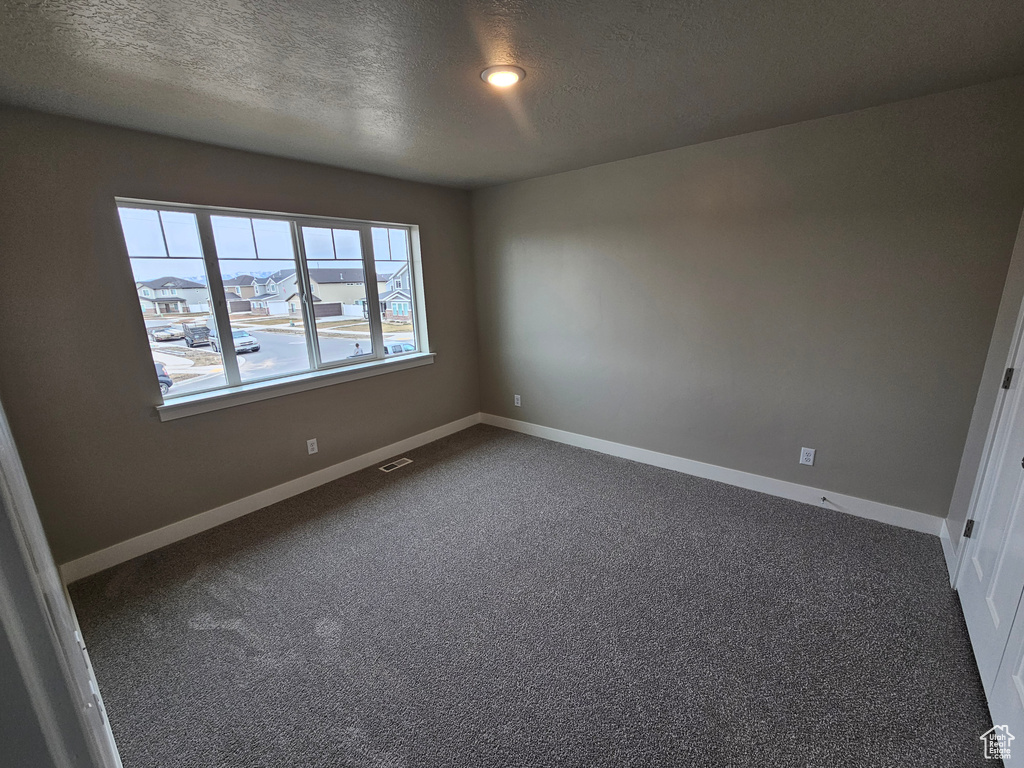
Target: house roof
x=280, y=275
x=240, y=280
x=399, y=272
x=266, y=297
x=328, y=275
x=292, y=296
x=231, y=296
x=399, y=294
x=336, y=275
x=169, y=282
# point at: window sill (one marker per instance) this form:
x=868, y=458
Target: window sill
x=203, y=402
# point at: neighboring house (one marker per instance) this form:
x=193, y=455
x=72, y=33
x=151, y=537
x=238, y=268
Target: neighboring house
x=264, y=295
x=236, y=303
x=338, y=286
x=172, y=296
x=284, y=283
x=333, y=291
x=243, y=285
x=270, y=286
x=294, y=305
x=280, y=288
x=268, y=304
x=396, y=298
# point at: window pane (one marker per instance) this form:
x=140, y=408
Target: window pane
x=142, y=232
x=347, y=245
x=181, y=234
x=318, y=243
x=176, y=310
x=266, y=318
x=392, y=258
x=173, y=299
x=339, y=297
x=273, y=239
x=398, y=239
x=233, y=236
x=381, y=247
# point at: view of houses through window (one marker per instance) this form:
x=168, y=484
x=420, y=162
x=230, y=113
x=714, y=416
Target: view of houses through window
x=277, y=275
x=391, y=249
x=335, y=259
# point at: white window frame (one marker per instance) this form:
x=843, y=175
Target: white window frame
x=320, y=374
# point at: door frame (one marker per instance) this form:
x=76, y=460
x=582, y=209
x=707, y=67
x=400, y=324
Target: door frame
x=988, y=461
x=37, y=618
x=1013, y=283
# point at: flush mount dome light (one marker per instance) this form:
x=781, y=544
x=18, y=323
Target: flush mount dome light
x=503, y=76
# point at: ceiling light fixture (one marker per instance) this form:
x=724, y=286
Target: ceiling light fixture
x=503, y=76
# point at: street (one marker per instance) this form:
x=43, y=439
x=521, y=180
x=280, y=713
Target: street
x=280, y=353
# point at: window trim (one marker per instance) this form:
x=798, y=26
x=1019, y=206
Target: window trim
x=236, y=391
x=265, y=389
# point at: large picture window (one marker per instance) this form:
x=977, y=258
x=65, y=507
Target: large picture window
x=235, y=298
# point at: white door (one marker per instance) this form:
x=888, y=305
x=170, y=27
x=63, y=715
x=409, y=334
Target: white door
x=992, y=580
x=1006, y=696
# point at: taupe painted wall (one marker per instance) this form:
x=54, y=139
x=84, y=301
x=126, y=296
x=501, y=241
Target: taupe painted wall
x=75, y=372
x=830, y=284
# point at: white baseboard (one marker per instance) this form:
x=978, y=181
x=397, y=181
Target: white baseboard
x=948, y=552
x=954, y=556
x=147, y=542
x=852, y=505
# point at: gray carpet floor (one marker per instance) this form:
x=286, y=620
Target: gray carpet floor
x=508, y=601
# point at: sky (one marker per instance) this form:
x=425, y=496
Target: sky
x=166, y=243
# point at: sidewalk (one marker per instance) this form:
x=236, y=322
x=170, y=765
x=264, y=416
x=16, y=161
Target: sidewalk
x=288, y=328
x=299, y=329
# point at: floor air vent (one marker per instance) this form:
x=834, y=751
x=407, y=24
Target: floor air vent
x=395, y=465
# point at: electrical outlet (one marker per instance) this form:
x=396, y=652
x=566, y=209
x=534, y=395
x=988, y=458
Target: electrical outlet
x=311, y=446
x=519, y=400
x=807, y=456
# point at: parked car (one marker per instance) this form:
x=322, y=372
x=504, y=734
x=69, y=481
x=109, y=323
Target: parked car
x=195, y=335
x=164, y=378
x=166, y=333
x=243, y=341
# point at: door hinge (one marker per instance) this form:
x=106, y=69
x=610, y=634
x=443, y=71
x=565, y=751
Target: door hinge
x=968, y=529
x=1007, y=378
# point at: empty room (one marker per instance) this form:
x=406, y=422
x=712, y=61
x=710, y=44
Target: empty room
x=487, y=384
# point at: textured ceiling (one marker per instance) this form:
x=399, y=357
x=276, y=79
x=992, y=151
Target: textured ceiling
x=393, y=87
